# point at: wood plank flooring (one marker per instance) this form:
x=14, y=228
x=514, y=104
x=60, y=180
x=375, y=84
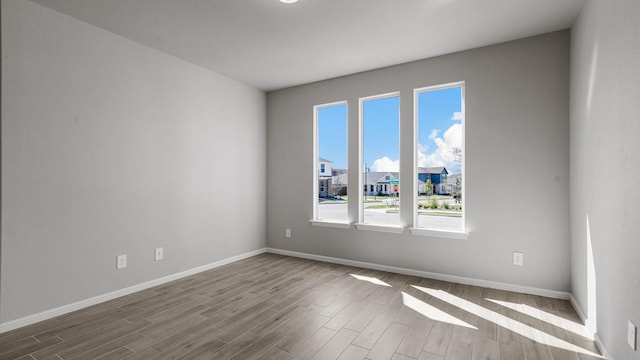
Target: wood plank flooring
x=278, y=307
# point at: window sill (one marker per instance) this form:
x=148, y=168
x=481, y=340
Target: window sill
x=331, y=224
x=462, y=235
x=382, y=228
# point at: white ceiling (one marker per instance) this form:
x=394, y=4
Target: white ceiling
x=271, y=45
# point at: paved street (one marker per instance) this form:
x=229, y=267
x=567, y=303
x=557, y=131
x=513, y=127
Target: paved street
x=338, y=212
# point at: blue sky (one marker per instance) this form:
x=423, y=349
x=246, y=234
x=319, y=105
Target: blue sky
x=439, y=127
x=381, y=137
x=332, y=134
x=439, y=130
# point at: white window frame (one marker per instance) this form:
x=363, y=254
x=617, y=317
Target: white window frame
x=314, y=220
x=360, y=225
x=462, y=233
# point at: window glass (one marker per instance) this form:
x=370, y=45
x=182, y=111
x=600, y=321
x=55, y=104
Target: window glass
x=439, y=139
x=330, y=201
x=380, y=159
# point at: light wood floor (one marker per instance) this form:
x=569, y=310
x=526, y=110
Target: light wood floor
x=277, y=307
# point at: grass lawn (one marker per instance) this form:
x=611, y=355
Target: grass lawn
x=332, y=201
x=434, y=197
x=371, y=198
x=382, y=206
x=440, y=213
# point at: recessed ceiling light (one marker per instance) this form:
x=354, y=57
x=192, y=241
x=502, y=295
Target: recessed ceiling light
x=288, y=1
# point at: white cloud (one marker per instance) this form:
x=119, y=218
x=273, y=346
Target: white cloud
x=442, y=155
x=385, y=164
x=457, y=116
x=434, y=134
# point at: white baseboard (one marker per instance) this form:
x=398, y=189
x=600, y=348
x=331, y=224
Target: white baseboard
x=600, y=346
x=436, y=276
x=578, y=309
x=48, y=314
x=590, y=328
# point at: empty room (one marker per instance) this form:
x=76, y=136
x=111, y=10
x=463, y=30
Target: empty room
x=320, y=179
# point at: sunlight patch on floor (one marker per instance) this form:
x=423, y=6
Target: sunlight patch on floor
x=370, y=279
x=432, y=312
x=506, y=322
x=547, y=317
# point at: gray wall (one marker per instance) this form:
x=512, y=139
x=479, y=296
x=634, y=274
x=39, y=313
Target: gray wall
x=110, y=147
x=605, y=169
x=517, y=165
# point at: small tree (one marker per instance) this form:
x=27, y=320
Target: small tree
x=457, y=195
x=428, y=187
x=456, y=152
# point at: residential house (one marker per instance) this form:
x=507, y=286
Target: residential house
x=324, y=177
x=381, y=183
x=339, y=183
x=454, y=182
x=438, y=177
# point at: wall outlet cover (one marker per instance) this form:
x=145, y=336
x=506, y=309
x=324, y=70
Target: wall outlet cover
x=159, y=254
x=121, y=262
x=287, y=233
x=631, y=335
x=518, y=258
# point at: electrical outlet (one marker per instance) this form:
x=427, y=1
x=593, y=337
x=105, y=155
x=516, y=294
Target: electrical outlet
x=631, y=335
x=518, y=258
x=159, y=254
x=287, y=233
x=121, y=262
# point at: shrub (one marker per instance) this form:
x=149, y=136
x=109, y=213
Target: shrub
x=434, y=204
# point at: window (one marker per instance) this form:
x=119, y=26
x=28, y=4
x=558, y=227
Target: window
x=439, y=142
x=437, y=187
x=330, y=163
x=380, y=154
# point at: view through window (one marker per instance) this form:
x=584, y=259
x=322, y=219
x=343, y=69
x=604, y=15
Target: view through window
x=380, y=160
x=439, y=157
x=331, y=162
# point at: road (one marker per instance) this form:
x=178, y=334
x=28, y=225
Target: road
x=338, y=212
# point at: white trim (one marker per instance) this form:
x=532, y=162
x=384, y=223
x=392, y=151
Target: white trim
x=462, y=235
x=382, y=228
x=578, y=309
x=415, y=186
x=588, y=324
x=463, y=201
x=603, y=350
x=592, y=332
x=51, y=313
x=448, y=85
x=426, y=274
x=360, y=197
x=331, y=224
x=314, y=162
